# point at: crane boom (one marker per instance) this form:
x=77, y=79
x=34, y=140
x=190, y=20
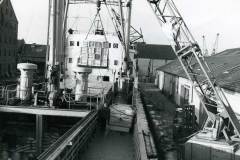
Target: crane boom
x=196, y=68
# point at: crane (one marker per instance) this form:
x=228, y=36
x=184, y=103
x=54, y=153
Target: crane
x=204, y=46
x=221, y=117
x=215, y=45
x=135, y=35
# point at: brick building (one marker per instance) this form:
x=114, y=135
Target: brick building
x=8, y=40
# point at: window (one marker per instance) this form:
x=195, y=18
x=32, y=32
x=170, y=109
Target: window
x=115, y=45
x=77, y=43
x=106, y=78
x=71, y=43
x=97, y=56
x=9, y=68
x=115, y=62
x=110, y=45
x=91, y=44
x=5, y=52
x=69, y=60
x=95, y=50
x=105, y=45
x=78, y=60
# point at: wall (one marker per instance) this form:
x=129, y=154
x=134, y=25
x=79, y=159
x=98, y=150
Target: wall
x=174, y=86
x=192, y=100
x=144, y=63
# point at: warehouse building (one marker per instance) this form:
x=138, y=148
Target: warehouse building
x=173, y=82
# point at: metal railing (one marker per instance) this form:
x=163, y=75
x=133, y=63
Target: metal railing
x=68, y=146
x=94, y=98
x=8, y=93
x=86, y=99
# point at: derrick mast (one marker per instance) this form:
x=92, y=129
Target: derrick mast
x=55, y=54
x=198, y=72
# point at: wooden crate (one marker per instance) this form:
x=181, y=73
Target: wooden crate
x=121, y=117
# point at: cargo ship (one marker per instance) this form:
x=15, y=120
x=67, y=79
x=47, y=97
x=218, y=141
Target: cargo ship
x=86, y=108
x=91, y=106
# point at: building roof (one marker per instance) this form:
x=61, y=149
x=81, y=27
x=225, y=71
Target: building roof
x=225, y=66
x=228, y=52
x=154, y=51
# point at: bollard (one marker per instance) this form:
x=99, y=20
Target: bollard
x=81, y=81
x=24, y=88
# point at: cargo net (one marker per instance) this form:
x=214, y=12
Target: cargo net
x=94, y=54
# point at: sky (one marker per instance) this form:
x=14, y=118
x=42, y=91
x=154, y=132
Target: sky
x=203, y=17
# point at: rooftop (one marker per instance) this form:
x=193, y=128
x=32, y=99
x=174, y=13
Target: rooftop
x=225, y=66
x=154, y=51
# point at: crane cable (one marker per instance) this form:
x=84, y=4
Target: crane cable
x=94, y=20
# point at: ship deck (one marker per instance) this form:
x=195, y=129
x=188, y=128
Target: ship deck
x=111, y=145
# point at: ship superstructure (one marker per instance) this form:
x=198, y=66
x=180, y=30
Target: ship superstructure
x=102, y=53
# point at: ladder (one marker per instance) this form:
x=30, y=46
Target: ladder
x=198, y=72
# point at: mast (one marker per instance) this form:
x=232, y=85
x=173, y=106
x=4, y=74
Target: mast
x=122, y=21
x=56, y=42
x=128, y=27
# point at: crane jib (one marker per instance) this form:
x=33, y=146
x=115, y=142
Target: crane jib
x=196, y=68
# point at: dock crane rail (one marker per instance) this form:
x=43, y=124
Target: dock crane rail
x=198, y=72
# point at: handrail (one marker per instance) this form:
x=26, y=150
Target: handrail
x=56, y=148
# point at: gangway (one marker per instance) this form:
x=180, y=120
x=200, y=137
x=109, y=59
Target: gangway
x=68, y=146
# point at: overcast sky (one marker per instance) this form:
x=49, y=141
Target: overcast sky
x=204, y=17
